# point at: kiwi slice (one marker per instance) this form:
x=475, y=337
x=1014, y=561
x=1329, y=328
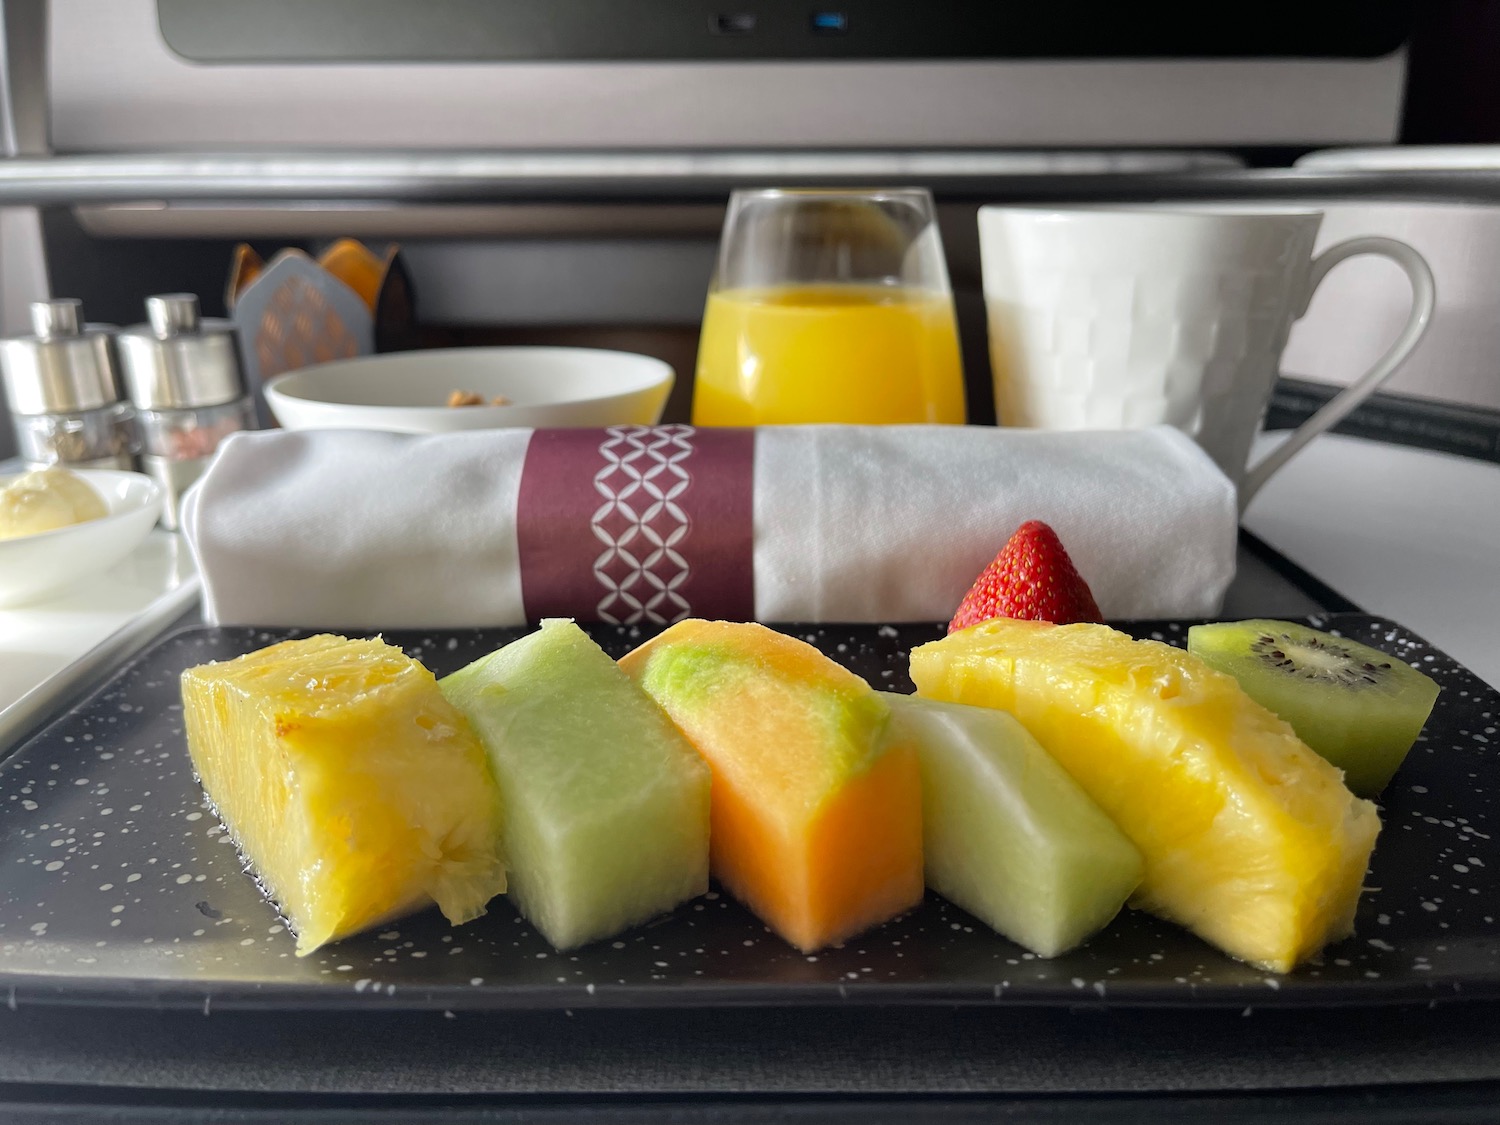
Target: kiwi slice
x=1355, y=705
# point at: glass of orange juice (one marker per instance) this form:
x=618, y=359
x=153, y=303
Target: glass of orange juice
x=829, y=306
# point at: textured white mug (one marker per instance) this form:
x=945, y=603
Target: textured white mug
x=1121, y=317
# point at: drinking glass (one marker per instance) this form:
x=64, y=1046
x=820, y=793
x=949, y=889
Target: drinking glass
x=829, y=306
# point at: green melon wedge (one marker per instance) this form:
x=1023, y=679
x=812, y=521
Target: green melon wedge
x=605, y=803
x=1007, y=834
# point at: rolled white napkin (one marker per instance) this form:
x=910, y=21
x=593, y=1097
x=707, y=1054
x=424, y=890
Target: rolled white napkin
x=363, y=530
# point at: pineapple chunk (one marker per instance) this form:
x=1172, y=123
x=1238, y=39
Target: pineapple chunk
x=355, y=790
x=1250, y=839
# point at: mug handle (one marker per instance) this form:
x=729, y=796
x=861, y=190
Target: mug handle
x=1423, y=296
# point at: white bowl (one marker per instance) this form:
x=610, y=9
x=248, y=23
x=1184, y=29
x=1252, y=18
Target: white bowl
x=407, y=392
x=35, y=566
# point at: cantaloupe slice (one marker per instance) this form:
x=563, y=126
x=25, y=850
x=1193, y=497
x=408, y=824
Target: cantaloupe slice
x=817, y=823
x=606, y=804
x=352, y=786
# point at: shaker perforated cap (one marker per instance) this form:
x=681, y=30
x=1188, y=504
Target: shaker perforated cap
x=61, y=368
x=179, y=360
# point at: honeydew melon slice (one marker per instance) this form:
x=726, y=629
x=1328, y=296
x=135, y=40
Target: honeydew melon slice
x=1006, y=833
x=606, y=805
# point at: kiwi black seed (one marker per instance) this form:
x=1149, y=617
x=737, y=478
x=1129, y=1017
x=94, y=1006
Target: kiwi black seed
x=1360, y=708
x=1323, y=657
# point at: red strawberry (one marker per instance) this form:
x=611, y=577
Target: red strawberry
x=1032, y=578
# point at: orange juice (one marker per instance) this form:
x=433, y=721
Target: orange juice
x=828, y=353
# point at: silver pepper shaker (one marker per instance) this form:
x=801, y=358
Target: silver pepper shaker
x=63, y=387
x=183, y=374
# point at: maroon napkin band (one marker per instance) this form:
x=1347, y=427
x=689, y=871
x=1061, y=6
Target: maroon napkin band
x=640, y=524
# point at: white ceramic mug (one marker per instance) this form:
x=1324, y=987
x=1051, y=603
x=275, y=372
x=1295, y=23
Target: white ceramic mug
x=1122, y=317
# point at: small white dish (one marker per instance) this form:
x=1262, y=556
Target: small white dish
x=37, y=566
x=54, y=646
x=1403, y=158
x=407, y=392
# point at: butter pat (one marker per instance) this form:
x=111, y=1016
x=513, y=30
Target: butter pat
x=46, y=500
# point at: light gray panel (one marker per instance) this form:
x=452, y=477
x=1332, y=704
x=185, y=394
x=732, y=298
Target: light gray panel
x=116, y=86
x=23, y=132
x=615, y=282
x=380, y=221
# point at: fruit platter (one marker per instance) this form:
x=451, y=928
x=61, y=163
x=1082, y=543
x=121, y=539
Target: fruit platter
x=178, y=840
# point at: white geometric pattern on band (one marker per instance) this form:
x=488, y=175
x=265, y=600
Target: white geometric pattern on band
x=650, y=459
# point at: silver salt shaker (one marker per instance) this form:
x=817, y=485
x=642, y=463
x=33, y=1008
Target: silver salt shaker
x=63, y=387
x=183, y=374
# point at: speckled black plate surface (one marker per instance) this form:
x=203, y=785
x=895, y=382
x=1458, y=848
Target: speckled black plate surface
x=117, y=886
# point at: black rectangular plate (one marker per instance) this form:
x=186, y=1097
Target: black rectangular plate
x=118, y=886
